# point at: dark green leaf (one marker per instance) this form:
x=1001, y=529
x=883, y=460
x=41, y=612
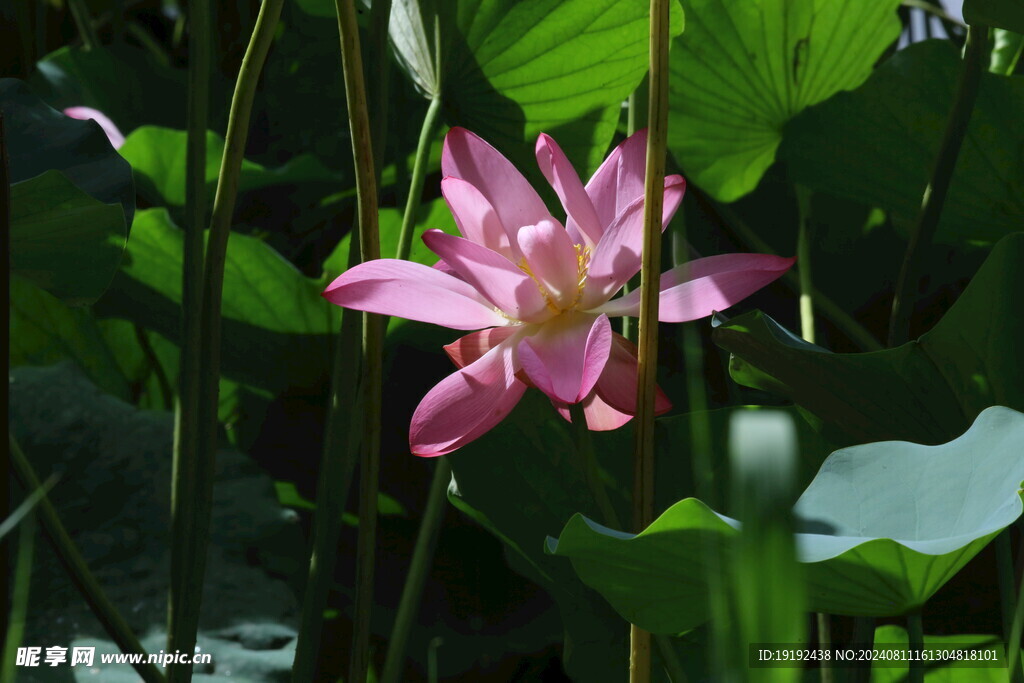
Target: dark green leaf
x=63, y=240
x=1008, y=14
x=926, y=391
x=877, y=144
x=744, y=68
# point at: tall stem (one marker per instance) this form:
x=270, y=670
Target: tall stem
x=921, y=234
x=78, y=571
x=915, y=635
x=366, y=190
x=186, y=413
x=654, y=196
x=83, y=22
x=419, y=174
x=419, y=568
x=5, y=350
x=185, y=623
x=1013, y=641
x=22, y=583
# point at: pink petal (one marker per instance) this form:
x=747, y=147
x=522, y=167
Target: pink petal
x=566, y=356
x=114, y=134
x=468, y=157
x=476, y=218
x=413, y=291
x=586, y=229
x=600, y=416
x=466, y=404
x=620, y=178
x=698, y=288
x=617, y=256
x=618, y=382
x=550, y=253
x=472, y=347
x=494, y=276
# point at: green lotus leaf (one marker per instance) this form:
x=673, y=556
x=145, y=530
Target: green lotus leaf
x=157, y=156
x=877, y=145
x=880, y=529
x=745, y=67
x=511, y=70
x=927, y=390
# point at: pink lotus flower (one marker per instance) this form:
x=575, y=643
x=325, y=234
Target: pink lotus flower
x=85, y=113
x=540, y=294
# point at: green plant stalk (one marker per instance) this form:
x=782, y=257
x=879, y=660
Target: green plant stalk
x=915, y=635
x=6, y=479
x=183, y=635
x=83, y=22
x=830, y=309
x=863, y=637
x=78, y=571
x=419, y=568
x=974, y=63
x=166, y=391
x=419, y=174
x=1007, y=592
x=19, y=602
x=380, y=80
x=186, y=410
x=803, y=261
x=825, y=641
x=373, y=335
x=1015, y=667
x=337, y=463
x=654, y=197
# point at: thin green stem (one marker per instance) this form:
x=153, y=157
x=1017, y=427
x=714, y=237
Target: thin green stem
x=338, y=462
x=915, y=634
x=380, y=80
x=419, y=174
x=670, y=658
x=373, y=335
x=803, y=261
x=907, y=287
x=829, y=308
x=183, y=635
x=6, y=478
x=824, y=642
x=166, y=391
x=83, y=22
x=1007, y=588
x=19, y=597
x=78, y=571
x=1015, y=666
x=419, y=568
x=186, y=413
x=654, y=197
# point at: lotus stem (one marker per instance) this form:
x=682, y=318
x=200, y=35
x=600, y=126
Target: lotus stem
x=19, y=597
x=419, y=174
x=824, y=642
x=923, y=231
x=654, y=195
x=915, y=634
x=419, y=568
x=380, y=80
x=369, y=238
x=185, y=621
x=83, y=22
x=803, y=259
x=1015, y=666
x=78, y=571
x=5, y=349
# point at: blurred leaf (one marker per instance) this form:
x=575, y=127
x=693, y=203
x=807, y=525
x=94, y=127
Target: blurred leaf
x=64, y=240
x=276, y=325
x=514, y=69
x=40, y=139
x=122, y=81
x=926, y=391
x=1008, y=14
x=881, y=528
x=743, y=68
x=951, y=671
x=157, y=156
x=877, y=144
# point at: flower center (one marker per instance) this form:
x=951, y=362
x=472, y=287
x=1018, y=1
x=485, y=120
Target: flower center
x=559, y=303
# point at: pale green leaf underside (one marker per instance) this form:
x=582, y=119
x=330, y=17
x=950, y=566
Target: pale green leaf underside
x=882, y=527
x=745, y=67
